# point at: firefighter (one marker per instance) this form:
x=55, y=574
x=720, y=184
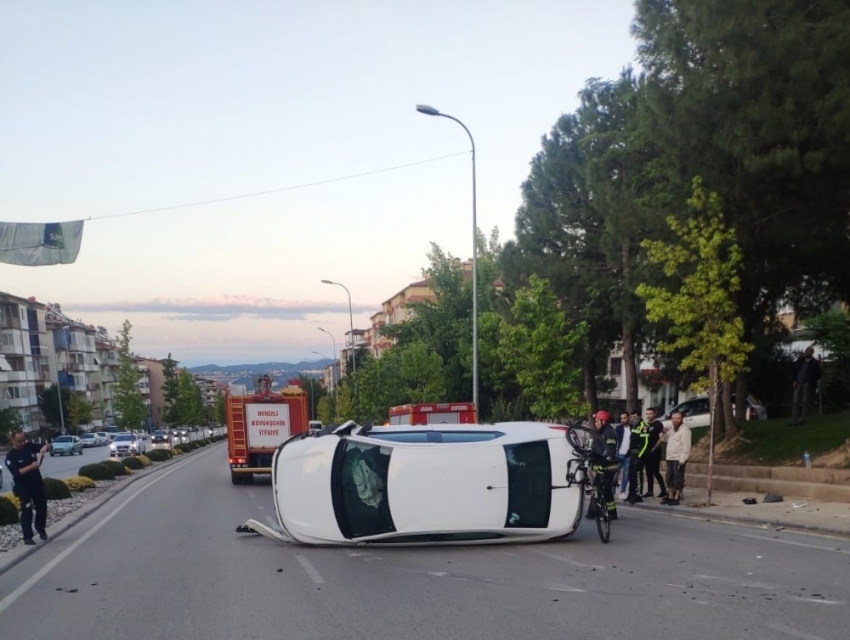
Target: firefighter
x=605, y=462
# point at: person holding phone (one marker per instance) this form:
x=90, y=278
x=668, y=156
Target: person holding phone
x=24, y=461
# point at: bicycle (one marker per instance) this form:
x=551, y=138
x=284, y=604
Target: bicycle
x=585, y=442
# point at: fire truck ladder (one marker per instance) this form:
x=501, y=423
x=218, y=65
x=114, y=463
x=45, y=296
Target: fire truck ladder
x=237, y=419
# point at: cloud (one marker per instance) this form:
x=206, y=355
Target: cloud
x=223, y=308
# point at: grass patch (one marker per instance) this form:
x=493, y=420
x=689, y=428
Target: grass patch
x=772, y=442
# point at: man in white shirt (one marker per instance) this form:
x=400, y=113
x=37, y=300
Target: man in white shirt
x=624, y=435
x=678, y=439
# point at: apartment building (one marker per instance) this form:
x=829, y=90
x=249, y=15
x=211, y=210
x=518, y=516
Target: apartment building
x=108, y=359
x=24, y=364
x=209, y=389
x=150, y=385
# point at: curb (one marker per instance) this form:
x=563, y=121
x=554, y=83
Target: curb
x=18, y=553
x=704, y=514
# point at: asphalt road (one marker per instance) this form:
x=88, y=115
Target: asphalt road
x=162, y=560
x=66, y=466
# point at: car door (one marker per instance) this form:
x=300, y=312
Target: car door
x=696, y=413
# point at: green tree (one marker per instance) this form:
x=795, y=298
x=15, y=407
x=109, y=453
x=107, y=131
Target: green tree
x=170, y=388
x=48, y=403
x=326, y=410
x=129, y=405
x=315, y=392
x=700, y=302
x=754, y=98
x=219, y=409
x=538, y=348
x=832, y=332
x=10, y=420
x=189, y=407
x=80, y=412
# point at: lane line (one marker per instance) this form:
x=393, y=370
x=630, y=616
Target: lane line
x=310, y=570
x=795, y=544
x=791, y=631
x=575, y=563
x=13, y=597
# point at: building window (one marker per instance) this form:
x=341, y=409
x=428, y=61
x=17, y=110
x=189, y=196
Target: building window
x=615, y=367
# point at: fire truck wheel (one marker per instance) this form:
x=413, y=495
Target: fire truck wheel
x=248, y=479
x=236, y=478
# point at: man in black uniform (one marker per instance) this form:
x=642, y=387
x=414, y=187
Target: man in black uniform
x=606, y=461
x=23, y=463
x=652, y=460
x=638, y=448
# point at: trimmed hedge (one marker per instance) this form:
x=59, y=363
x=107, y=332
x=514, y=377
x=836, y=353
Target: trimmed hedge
x=177, y=452
x=132, y=462
x=56, y=489
x=117, y=468
x=159, y=455
x=183, y=447
x=96, y=471
x=146, y=462
x=8, y=510
x=79, y=483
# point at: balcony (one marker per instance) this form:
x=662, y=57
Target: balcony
x=10, y=322
x=75, y=366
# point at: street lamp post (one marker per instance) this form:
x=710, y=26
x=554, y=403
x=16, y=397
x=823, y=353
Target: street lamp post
x=350, y=322
x=431, y=111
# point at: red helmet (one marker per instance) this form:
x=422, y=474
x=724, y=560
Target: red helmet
x=602, y=416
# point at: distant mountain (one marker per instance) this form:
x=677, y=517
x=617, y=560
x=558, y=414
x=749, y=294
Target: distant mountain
x=277, y=368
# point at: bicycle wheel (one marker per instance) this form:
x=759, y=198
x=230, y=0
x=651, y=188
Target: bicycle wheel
x=583, y=439
x=603, y=518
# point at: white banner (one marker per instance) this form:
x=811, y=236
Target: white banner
x=268, y=424
x=37, y=244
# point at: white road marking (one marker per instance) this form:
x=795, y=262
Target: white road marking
x=795, y=544
x=791, y=631
x=9, y=600
x=261, y=508
x=817, y=600
x=575, y=563
x=310, y=570
x=567, y=589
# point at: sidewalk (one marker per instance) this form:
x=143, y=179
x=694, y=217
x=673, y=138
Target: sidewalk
x=817, y=516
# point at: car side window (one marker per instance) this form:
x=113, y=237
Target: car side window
x=529, y=484
x=700, y=407
x=359, y=489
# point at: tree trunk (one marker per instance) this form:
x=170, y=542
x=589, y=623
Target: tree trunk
x=629, y=356
x=590, y=392
x=713, y=367
x=729, y=412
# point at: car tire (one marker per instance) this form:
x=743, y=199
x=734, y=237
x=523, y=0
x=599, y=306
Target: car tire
x=52, y=454
x=236, y=478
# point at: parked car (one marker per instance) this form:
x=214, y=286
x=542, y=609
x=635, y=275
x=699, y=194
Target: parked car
x=696, y=414
x=90, y=440
x=126, y=444
x=104, y=438
x=448, y=483
x=66, y=446
x=160, y=436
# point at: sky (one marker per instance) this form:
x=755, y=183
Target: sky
x=108, y=109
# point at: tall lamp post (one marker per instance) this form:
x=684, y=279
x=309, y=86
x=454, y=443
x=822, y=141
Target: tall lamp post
x=324, y=357
x=431, y=111
x=350, y=322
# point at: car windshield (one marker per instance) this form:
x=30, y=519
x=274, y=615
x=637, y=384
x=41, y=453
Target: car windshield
x=103, y=434
x=64, y=439
x=159, y=433
x=359, y=487
x=122, y=437
x=88, y=436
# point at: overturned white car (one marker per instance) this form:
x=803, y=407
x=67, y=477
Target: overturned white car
x=428, y=484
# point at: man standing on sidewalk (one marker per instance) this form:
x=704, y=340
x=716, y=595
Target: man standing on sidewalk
x=807, y=373
x=638, y=448
x=23, y=463
x=652, y=464
x=678, y=440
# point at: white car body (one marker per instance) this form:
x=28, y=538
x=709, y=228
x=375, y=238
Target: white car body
x=126, y=444
x=435, y=492
x=695, y=412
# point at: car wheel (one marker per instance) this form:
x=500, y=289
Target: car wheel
x=236, y=478
x=52, y=454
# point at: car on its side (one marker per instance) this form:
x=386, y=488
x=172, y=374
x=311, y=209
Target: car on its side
x=426, y=484
x=126, y=444
x=695, y=412
x=66, y=446
x=90, y=440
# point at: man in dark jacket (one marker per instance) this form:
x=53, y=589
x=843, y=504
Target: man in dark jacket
x=807, y=373
x=605, y=461
x=23, y=462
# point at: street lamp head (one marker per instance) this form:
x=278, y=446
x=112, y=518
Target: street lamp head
x=328, y=282
x=427, y=110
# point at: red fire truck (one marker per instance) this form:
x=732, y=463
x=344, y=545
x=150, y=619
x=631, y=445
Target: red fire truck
x=442, y=413
x=257, y=423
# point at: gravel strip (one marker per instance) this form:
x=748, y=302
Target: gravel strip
x=10, y=534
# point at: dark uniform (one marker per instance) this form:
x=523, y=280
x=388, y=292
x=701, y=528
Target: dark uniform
x=29, y=489
x=606, y=462
x=638, y=450
x=652, y=462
